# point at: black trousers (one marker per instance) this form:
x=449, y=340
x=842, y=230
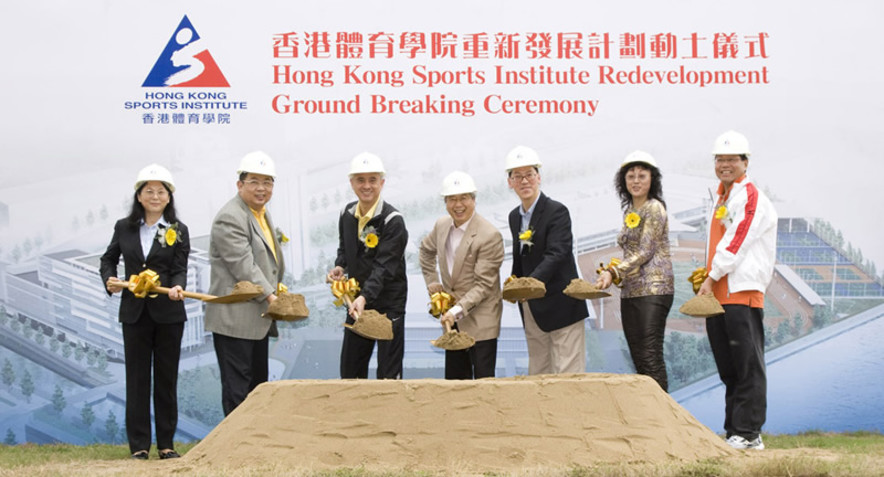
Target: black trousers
x=356, y=352
x=644, y=324
x=737, y=342
x=243, y=366
x=148, y=344
x=479, y=361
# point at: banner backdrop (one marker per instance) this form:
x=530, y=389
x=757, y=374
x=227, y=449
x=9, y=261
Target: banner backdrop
x=93, y=91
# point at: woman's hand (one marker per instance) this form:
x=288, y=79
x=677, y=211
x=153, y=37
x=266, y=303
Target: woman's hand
x=176, y=293
x=604, y=280
x=114, y=285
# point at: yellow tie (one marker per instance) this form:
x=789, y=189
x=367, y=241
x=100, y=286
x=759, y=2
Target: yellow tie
x=265, y=229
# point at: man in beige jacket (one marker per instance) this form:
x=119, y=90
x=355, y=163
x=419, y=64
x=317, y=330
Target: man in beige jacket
x=467, y=251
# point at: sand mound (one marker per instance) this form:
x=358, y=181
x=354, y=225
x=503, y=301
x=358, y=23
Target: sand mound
x=523, y=288
x=702, y=306
x=488, y=425
x=583, y=290
x=373, y=325
x=288, y=307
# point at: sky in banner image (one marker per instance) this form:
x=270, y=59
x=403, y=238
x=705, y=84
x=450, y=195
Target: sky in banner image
x=96, y=90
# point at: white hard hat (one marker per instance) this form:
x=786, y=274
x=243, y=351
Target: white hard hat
x=731, y=142
x=155, y=172
x=522, y=156
x=366, y=162
x=458, y=183
x=639, y=156
x=257, y=162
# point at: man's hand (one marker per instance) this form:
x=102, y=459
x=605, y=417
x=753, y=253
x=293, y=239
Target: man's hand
x=706, y=287
x=357, y=306
x=435, y=288
x=336, y=273
x=447, y=317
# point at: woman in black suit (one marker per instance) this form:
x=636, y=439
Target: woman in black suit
x=151, y=237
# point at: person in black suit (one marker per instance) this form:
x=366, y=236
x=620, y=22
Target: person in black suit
x=542, y=249
x=151, y=237
x=371, y=248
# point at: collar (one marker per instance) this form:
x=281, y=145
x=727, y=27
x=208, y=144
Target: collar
x=354, y=210
x=725, y=194
x=259, y=214
x=464, y=225
x=159, y=223
x=530, y=209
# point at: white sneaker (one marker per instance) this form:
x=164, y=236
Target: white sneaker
x=738, y=442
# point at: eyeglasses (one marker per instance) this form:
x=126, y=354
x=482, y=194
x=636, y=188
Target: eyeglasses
x=464, y=199
x=727, y=160
x=253, y=184
x=517, y=178
x=156, y=193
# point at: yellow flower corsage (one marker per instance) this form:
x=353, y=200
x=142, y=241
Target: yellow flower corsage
x=168, y=236
x=371, y=240
x=632, y=220
x=281, y=237
x=526, y=236
x=171, y=237
x=721, y=212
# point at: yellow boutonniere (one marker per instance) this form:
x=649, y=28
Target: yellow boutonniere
x=632, y=220
x=369, y=237
x=526, y=236
x=281, y=237
x=721, y=212
x=371, y=240
x=168, y=236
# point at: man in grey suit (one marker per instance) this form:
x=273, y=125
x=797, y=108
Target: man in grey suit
x=468, y=251
x=244, y=247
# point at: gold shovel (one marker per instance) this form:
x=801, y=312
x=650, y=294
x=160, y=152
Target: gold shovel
x=451, y=340
x=148, y=282
x=371, y=324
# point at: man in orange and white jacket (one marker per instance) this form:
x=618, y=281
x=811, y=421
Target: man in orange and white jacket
x=741, y=251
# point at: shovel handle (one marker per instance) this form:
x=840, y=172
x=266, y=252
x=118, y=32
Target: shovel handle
x=165, y=291
x=188, y=294
x=447, y=326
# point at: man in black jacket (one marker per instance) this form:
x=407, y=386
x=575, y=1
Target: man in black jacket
x=372, y=240
x=542, y=249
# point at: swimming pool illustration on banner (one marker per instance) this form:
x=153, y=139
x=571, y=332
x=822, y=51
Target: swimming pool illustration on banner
x=186, y=62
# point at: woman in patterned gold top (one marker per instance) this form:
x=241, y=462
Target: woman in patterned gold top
x=645, y=273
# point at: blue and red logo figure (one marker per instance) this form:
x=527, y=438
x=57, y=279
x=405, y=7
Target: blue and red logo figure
x=186, y=62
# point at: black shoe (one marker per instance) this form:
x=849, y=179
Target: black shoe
x=140, y=455
x=169, y=455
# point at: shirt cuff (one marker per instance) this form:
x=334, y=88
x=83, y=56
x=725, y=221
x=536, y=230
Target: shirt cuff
x=457, y=311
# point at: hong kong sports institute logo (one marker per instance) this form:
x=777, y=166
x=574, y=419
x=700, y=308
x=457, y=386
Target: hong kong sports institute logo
x=186, y=62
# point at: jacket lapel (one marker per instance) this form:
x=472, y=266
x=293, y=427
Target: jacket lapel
x=462, y=249
x=442, y=249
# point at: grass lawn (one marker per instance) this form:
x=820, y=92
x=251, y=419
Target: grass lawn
x=807, y=454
